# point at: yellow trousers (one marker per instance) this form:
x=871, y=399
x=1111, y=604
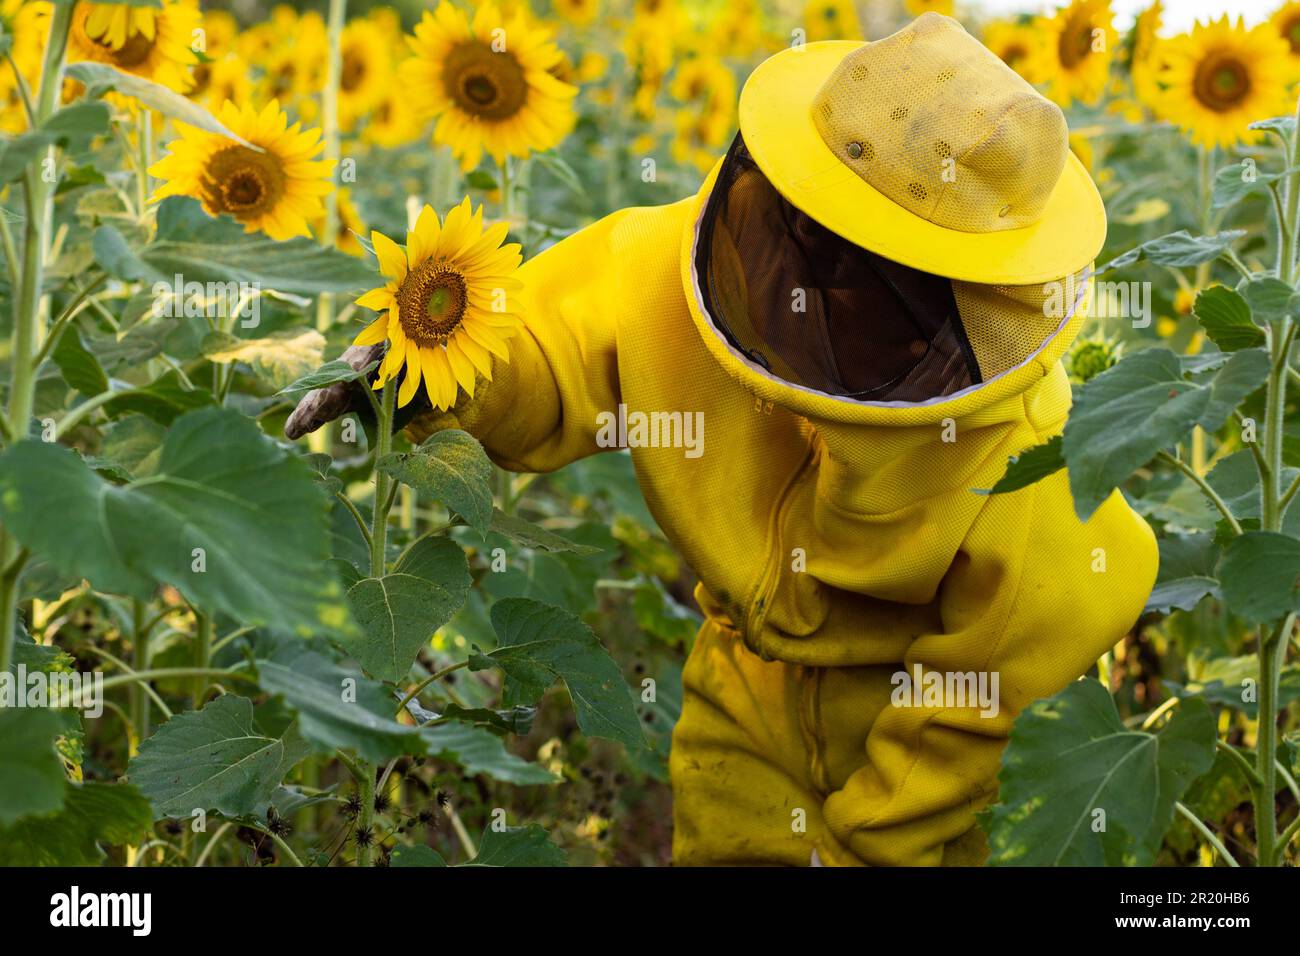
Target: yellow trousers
x=759, y=747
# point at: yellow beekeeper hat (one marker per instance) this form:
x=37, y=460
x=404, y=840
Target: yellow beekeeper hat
x=927, y=149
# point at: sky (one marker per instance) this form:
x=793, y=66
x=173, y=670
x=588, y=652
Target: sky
x=1179, y=14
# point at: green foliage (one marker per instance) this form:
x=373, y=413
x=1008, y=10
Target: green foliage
x=92, y=814
x=188, y=243
x=450, y=467
x=397, y=614
x=31, y=774
x=540, y=644
x=1078, y=788
x=214, y=759
x=232, y=532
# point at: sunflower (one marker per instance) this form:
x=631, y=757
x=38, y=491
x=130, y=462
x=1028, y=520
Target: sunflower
x=737, y=31
x=704, y=79
x=831, y=20
x=918, y=7
x=487, y=82
x=291, y=51
x=1221, y=77
x=219, y=32
x=1017, y=44
x=1145, y=62
x=1077, y=47
x=444, y=305
x=1286, y=21
x=350, y=225
x=277, y=190
x=220, y=76
x=392, y=122
x=27, y=25
x=156, y=47
x=114, y=23
x=364, y=70
x=579, y=12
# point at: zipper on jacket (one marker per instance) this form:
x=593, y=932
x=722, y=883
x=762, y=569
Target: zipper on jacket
x=770, y=577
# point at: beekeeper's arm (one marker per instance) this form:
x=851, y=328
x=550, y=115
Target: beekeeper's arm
x=1034, y=596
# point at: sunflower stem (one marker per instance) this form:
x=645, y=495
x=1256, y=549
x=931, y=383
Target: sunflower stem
x=28, y=324
x=202, y=657
x=383, y=483
x=140, y=653
x=144, y=129
x=330, y=114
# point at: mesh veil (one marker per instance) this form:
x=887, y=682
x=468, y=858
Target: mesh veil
x=817, y=310
x=825, y=314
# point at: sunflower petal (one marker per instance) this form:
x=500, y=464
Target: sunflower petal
x=410, y=384
x=392, y=259
x=374, y=333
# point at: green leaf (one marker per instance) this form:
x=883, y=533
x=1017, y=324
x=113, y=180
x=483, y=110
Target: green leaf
x=398, y=613
x=479, y=179
x=419, y=855
x=1260, y=574
x=1242, y=374
x=214, y=759
x=339, y=708
x=1225, y=316
x=328, y=374
x=1030, y=466
x=1181, y=594
x=1071, y=759
x=201, y=249
x=479, y=751
x=81, y=370
x=31, y=773
x=73, y=125
x=452, y=468
x=533, y=536
x=1186, y=574
x=1122, y=418
x=1178, y=249
x=540, y=644
x=93, y=813
x=99, y=77
x=164, y=399
x=222, y=486
x=1283, y=126
x=279, y=358
x=18, y=152
x=1270, y=300
x=1224, y=680
x=517, y=846
x=557, y=167
x=1234, y=183
x=135, y=443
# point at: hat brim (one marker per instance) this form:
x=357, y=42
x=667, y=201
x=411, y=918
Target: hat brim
x=777, y=124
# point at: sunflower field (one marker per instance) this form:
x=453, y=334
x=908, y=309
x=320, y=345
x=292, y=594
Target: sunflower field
x=282, y=617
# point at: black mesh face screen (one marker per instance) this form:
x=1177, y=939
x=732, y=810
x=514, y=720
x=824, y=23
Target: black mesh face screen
x=817, y=310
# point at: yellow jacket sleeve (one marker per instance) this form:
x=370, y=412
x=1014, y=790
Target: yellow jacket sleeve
x=1035, y=597
x=539, y=411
